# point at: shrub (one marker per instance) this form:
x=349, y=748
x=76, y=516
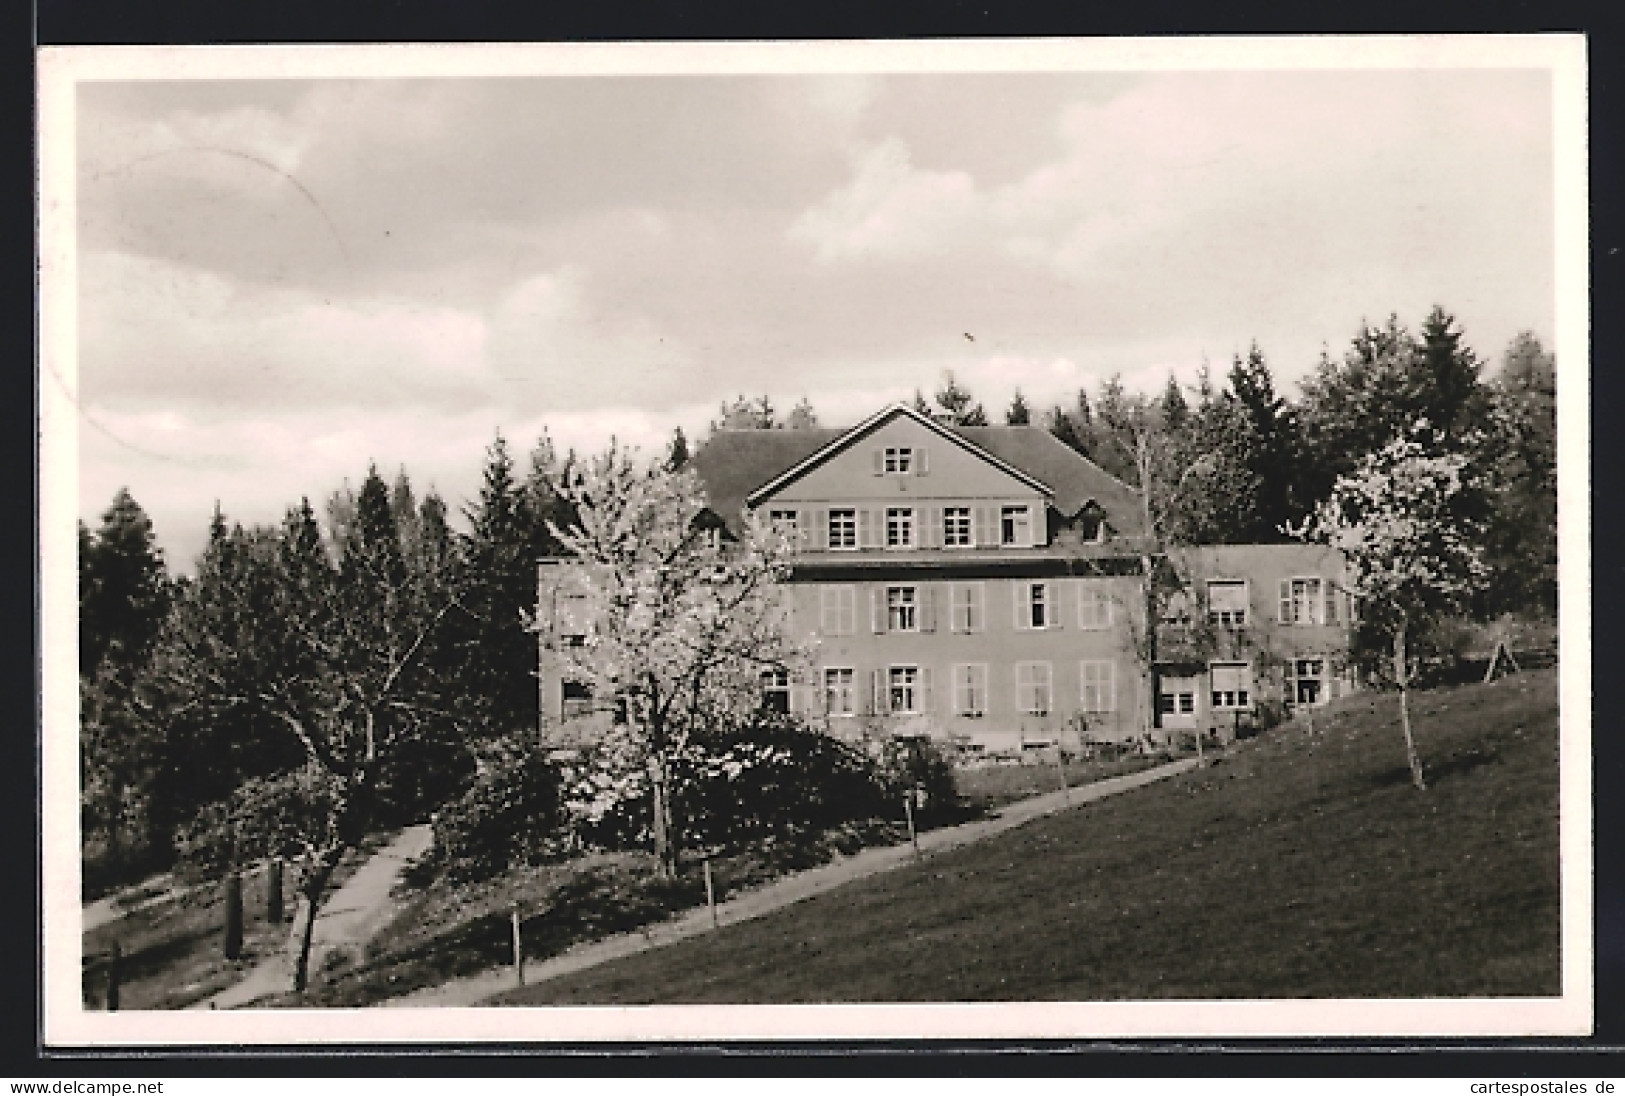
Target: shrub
x=508, y=816
x=773, y=782
x=918, y=764
x=266, y=816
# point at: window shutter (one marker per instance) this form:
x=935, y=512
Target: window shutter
x=1331, y=604
x=1284, y=609
x=928, y=608
x=877, y=610
x=930, y=526
x=816, y=534
x=922, y=465
x=1036, y=534
x=927, y=701
x=986, y=529
x=877, y=693
x=866, y=528
x=1110, y=689
x=1024, y=618
x=880, y=462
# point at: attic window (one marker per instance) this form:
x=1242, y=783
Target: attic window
x=899, y=460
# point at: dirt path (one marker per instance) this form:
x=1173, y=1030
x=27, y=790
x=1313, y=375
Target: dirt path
x=474, y=989
x=350, y=917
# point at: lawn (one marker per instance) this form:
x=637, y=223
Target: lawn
x=173, y=949
x=1297, y=867
x=992, y=786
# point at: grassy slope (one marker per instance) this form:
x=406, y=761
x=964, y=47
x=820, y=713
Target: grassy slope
x=1297, y=868
x=174, y=949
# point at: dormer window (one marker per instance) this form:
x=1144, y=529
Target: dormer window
x=899, y=460
x=1015, y=526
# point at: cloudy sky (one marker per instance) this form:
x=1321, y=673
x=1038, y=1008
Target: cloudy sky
x=281, y=281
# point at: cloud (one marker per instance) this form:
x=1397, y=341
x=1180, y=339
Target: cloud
x=889, y=208
x=156, y=334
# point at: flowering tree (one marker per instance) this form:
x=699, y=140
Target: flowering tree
x=1412, y=550
x=680, y=625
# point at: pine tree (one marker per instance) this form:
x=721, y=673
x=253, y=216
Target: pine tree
x=957, y=405
x=802, y=416
x=1018, y=413
x=1523, y=523
x=496, y=654
x=124, y=599
x=677, y=454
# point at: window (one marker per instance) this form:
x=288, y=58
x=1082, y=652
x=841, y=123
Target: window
x=899, y=527
x=966, y=607
x=575, y=699
x=776, y=691
x=899, y=460
x=838, y=691
x=1232, y=685
x=1099, y=686
x=956, y=527
x=1227, y=602
x=1094, y=607
x=1176, y=703
x=1301, y=601
x=1306, y=683
x=902, y=609
x=843, y=528
x=904, y=682
x=970, y=690
x=783, y=522
x=1033, y=687
x=1032, y=605
x=839, y=615
x=1014, y=527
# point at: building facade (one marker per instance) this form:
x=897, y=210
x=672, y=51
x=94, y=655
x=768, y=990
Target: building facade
x=987, y=586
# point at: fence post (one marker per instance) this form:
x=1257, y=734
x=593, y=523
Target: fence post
x=710, y=894
x=518, y=948
x=908, y=809
x=273, y=891
x=1060, y=767
x=234, y=914
x=115, y=960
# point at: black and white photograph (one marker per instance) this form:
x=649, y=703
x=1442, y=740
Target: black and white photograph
x=1049, y=539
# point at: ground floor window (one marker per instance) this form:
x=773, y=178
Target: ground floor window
x=1176, y=703
x=1307, y=684
x=903, y=689
x=970, y=690
x=776, y=691
x=1232, y=686
x=1098, y=686
x=576, y=697
x=1033, y=687
x=838, y=698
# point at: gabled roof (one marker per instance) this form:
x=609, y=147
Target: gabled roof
x=848, y=438
x=735, y=465
x=1075, y=479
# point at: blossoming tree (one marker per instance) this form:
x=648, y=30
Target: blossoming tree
x=681, y=624
x=1412, y=550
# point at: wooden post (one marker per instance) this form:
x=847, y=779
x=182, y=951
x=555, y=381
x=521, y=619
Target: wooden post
x=234, y=915
x=273, y=891
x=518, y=949
x=908, y=809
x=115, y=960
x=710, y=893
x=1060, y=767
